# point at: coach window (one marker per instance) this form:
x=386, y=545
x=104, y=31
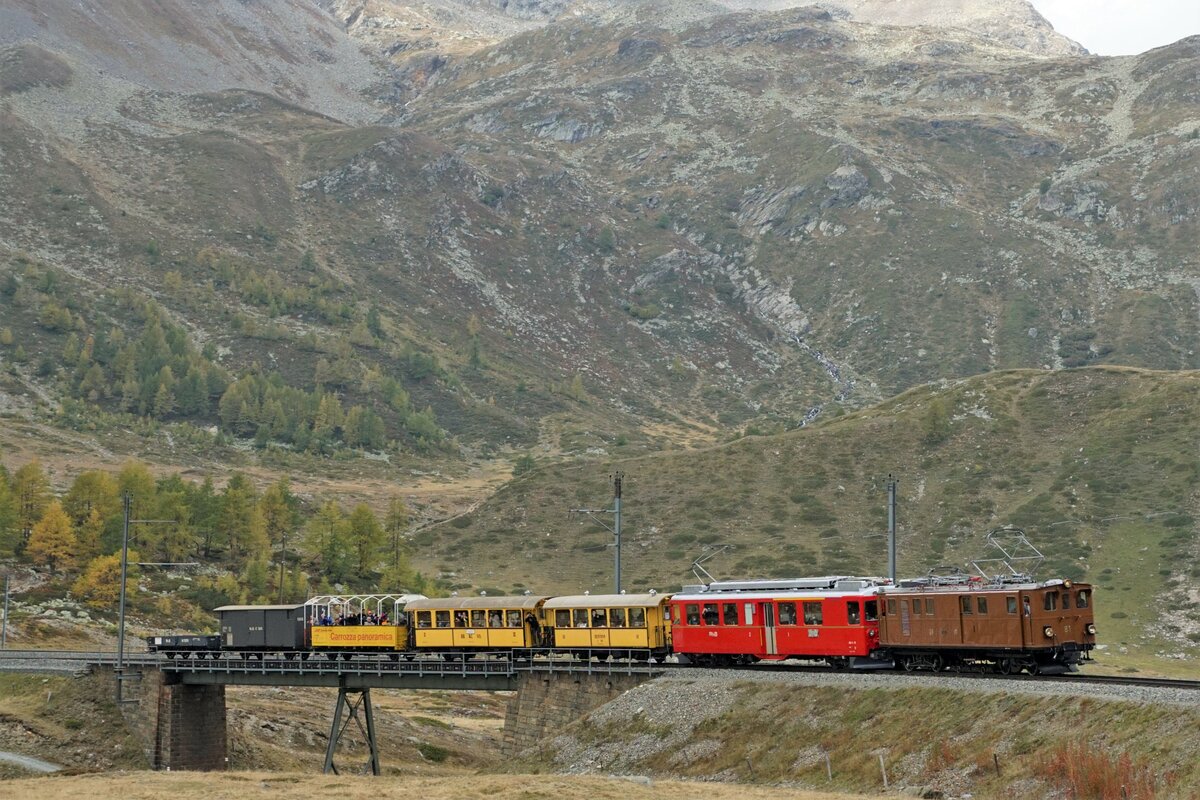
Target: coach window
x=423, y=619
x=929, y=606
x=731, y=614
x=599, y=620
x=711, y=617
x=514, y=619
x=637, y=617
x=1050, y=601
x=616, y=618
x=478, y=618
x=692, y=610
x=787, y=613
x=814, y=614
x=581, y=618
x=891, y=607
x=981, y=604
x=1010, y=604
x=442, y=618
x=562, y=618
x=871, y=610
x=1081, y=599
x=966, y=604
x=852, y=612
x=1066, y=601
x=674, y=611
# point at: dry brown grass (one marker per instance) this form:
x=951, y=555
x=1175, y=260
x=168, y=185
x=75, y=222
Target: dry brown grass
x=249, y=785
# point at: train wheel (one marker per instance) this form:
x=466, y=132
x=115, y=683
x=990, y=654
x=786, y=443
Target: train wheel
x=331, y=656
x=288, y=656
x=304, y=656
x=347, y=656
x=839, y=662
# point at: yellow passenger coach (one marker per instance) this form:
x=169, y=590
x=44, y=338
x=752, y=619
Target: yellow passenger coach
x=609, y=622
x=477, y=623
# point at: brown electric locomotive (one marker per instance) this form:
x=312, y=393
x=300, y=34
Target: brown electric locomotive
x=1040, y=628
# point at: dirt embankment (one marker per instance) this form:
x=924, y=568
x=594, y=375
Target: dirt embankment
x=252, y=786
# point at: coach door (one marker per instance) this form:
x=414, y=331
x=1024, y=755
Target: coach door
x=768, y=610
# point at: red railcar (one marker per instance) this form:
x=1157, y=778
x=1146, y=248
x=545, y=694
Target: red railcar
x=833, y=619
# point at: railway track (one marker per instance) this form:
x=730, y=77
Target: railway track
x=82, y=659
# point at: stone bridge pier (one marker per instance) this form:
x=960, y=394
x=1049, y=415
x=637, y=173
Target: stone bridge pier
x=181, y=726
x=545, y=703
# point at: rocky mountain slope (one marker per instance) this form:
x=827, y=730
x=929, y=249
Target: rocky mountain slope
x=606, y=233
x=401, y=29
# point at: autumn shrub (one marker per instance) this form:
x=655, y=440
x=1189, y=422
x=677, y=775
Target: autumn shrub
x=1087, y=772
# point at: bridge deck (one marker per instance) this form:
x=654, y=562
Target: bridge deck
x=494, y=671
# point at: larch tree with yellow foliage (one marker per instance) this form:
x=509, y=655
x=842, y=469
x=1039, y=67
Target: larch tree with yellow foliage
x=52, y=541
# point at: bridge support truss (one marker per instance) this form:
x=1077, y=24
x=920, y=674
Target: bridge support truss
x=352, y=708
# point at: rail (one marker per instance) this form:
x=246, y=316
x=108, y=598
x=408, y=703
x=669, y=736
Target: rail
x=490, y=664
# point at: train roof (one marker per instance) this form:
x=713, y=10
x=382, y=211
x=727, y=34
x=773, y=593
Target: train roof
x=607, y=600
x=291, y=607
x=501, y=602
x=980, y=586
x=786, y=594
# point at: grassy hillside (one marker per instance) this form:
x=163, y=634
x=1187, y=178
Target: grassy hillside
x=1100, y=466
x=981, y=744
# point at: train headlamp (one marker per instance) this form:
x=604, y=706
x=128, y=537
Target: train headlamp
x=1048, y=631
x=1091, y=629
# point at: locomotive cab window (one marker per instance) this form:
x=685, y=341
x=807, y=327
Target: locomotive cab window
x=1081, y=599
x=852, y=616
x=891, y=606
x=693, y=613
x=423, y=619
x=637, y=617
x=599, y=620
x=787, y=613
x=514, y=619
x=730, y=610
x=966, y=604
x=981, y=604
x=814, y=614
x=562, y=618
x=1066, y=601
x=443, y=618
x=711, y=617
x=1050, y=601
x=929, y=605
x=1010, y=604
x=581, y=618
x=871, y=610
x=616, y=617
x=674, y=612
x=916, y=606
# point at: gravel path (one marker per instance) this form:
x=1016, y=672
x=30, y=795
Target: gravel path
x=27, y=762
